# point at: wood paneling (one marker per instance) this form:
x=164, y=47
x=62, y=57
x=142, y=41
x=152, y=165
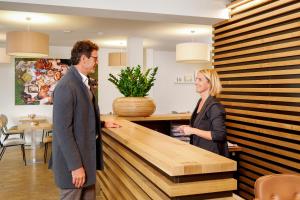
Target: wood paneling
x=254, y=121
x=263, y=73
x=285, y=36
x=184, y=159
x=260, y=17
x=258, y=10
x=287, y=18
x=262, y=98
x=283, y=54
x=260, y=65
x=136, y=178
x=259, y=33
x=270, y=132
x=282, y=45
x=257, y=55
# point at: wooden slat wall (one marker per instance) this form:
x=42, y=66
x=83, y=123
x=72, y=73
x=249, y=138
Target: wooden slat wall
x=257, y=55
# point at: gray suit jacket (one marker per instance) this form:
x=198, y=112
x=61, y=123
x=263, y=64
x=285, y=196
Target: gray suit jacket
x=211, y=118
x=76, y=122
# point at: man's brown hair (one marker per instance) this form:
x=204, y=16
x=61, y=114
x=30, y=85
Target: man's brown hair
x=84, y=47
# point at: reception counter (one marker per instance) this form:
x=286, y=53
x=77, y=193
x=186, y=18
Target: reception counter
x=141, y=163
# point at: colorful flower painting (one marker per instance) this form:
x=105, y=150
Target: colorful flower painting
x=35, y=79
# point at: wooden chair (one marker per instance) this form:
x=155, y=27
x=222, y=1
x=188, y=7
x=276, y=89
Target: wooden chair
x=5, y=141
x=47, y=139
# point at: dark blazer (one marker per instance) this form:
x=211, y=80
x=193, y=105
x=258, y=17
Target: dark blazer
x=211, y=118
x=76, y=123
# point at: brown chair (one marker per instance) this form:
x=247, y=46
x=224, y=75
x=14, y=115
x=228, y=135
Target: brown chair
x=278, y=187
x=47, y=139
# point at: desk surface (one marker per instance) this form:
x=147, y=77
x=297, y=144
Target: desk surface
x=162, y=117
x=170, y=155
x=42, y=125
x=139, y=156
x=36, y=119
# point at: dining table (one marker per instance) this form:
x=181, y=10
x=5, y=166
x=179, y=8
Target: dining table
x=31, y=128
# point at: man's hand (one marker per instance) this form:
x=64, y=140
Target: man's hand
x=111, y=124
x=78, y=177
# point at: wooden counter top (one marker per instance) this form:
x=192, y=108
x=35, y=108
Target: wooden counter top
x=162, y=117
x=173, y=157
x=141, y=163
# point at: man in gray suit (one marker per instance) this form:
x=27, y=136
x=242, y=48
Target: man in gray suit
x=76, y=153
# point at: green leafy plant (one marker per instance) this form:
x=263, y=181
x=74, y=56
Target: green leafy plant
x=132, y=82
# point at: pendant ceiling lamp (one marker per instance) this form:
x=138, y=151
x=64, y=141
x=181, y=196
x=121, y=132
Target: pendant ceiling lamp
x=192, y=53
x=27, y=43
x=117, y=59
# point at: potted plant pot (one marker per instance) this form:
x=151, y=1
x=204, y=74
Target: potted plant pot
x=134, y=85
x=134, y=106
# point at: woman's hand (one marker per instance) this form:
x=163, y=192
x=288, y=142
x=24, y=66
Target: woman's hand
x=186, y=129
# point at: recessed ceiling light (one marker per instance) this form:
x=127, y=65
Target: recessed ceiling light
x=24, y=17
x=114, y=43
x=67, y=31
x=195, y=31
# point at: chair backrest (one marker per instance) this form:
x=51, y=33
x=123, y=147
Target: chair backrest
x=278, y=187
x=1, y=121
x=4, y=120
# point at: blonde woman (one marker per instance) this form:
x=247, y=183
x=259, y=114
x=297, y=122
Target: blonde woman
x=207, y=124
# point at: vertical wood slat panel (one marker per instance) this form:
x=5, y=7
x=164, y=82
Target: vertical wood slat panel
x=263, y=131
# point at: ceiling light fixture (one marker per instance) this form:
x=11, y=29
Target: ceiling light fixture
x=192, y=52
x=27, y=43
x=21, y=17
x=117, y=58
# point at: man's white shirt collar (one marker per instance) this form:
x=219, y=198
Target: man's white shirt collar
x=85, y=79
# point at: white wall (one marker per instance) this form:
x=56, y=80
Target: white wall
x=7, y=90
x=107, y=91
x=167, y=95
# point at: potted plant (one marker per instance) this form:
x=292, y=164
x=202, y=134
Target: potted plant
x=134, y=85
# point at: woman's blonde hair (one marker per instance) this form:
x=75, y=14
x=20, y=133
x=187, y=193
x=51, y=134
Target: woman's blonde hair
x=212, y=77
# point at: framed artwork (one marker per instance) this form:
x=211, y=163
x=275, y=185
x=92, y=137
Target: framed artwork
x=36, y=78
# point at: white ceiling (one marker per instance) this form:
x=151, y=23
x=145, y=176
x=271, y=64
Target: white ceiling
x=158, y=35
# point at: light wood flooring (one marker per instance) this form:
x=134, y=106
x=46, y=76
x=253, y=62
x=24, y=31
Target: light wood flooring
x=34, y=181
